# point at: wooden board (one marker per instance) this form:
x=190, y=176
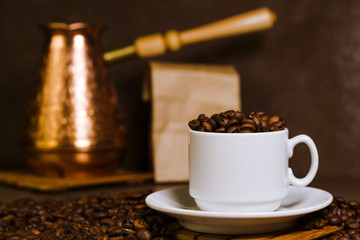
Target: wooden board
x=41, y=183
x=293, y=234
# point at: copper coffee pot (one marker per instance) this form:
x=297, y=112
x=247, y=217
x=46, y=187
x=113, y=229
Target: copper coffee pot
x=75, y=126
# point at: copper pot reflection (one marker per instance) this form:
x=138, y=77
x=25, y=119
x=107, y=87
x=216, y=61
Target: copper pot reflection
x=75, y=126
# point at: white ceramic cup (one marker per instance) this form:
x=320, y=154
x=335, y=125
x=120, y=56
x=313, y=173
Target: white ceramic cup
x=244, y=172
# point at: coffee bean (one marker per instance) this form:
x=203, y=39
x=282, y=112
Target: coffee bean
x=343, y=238
x=354, y=204
x=273, y=119
x=144, y=234
x=13, y=237
x=264, y=125
x=355, y=236
x=336, y=221
x=277, y=124
x=94, y=230
x=352, y=224
x=238, y=116
x=78, y=218
x=231, y=123
x=223, y=115
x=220, y=130
x=344, y=206
x=274, y=128
x=202, y=117
x=19, y=222
x=344, y=218
x=319, y=223
x=261, y=113
x=228, y=113
x=201, y=129
x=161, y=238
x=307, y=225
x=248, y=120
x=101, y=214
x=140, y=224
x=128, y=225
x=194, y=124
x=59, y=232
x=106, y=221
x=246, y=130
x=248, y=125
x=213, y=123
x=351, y=231
x=42, y=227
x=336, y=211
x=216, y=117
x=256, y=119
x=129, y=231
x=223, y=122
x=232, y=129
x=117, y=238
x=155, y=228
x=116, y=231
x=130, y=237
x=165, y=231
x=351, y=213
x=340, y=199
x=207, y=126
x=106, y=203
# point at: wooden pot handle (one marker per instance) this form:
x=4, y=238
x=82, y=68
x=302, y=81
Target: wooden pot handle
x=157, y=44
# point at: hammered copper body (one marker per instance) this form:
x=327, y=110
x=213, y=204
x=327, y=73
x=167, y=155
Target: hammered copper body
x=75, y=126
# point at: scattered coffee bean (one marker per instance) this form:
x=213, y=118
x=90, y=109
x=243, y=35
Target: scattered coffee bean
x=339, y=212
x=121, y=216
x=115, y=231
x=237, y=122
x=144, y=234
x=352, y=224
x=336, y=221
x=354, y=204
x=125, y=216
x=319, y=223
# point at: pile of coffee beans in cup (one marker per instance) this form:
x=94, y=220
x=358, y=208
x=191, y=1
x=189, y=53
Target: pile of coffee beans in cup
x=339, y=213
x=233, y=121
x=102, y=216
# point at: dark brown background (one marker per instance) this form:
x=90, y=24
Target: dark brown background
x=307, y=68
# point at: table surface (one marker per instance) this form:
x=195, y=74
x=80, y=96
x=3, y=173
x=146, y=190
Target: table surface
x=345, y=187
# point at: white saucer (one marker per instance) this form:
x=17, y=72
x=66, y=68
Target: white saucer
x=177, y=202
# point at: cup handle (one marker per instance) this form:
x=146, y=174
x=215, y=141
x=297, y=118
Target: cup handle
x=314, y=160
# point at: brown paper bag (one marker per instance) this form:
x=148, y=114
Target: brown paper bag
x=178, y=94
